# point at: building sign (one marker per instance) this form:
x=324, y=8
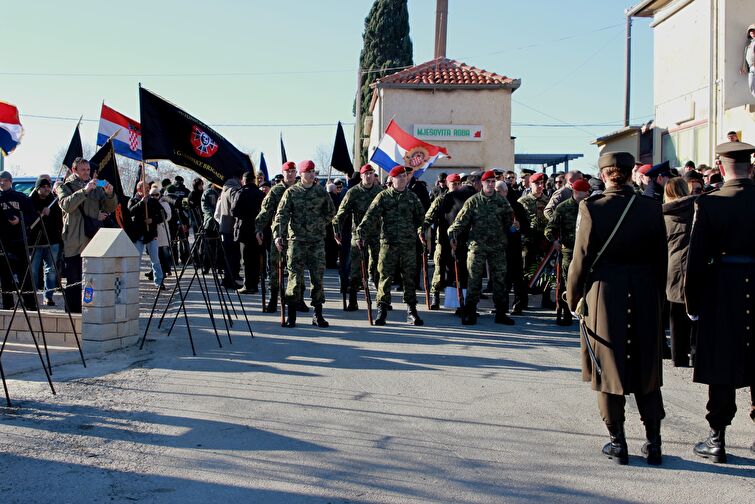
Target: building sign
x=453, y=132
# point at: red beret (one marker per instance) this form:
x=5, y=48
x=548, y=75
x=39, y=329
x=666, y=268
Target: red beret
x=396, y=171
x=537, y=177
x=366, y=168
x=488, y=174
x=581, y=185
x=306, y=166
x=454, y=177
x=644, y=168
x=288, y=165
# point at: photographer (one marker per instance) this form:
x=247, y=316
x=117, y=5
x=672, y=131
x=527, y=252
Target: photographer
x=80, y=198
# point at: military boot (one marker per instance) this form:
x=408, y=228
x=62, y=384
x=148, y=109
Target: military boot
x=412, y=317
x=436, y=301
x=469, y=315
x=352, y=306
x=617, y=449
x=382, y=314
x=272, y=305
x=291, y=320
x=501, y=317
x=317, y=319
x=714, y=447
x=652, y=447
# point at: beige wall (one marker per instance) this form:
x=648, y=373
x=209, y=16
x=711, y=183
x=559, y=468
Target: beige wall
x=737, y=15
x=628, y=143
x=681, y=52
x=490, y=108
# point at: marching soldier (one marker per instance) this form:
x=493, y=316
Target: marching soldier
x=354, y=205
x=616, y=284
x=304, y=212
x=720, y=295
x=486, y=216
x=563, y=228
x=441, y=214
x=262, y=225
x=534, y=203
x=400, y=214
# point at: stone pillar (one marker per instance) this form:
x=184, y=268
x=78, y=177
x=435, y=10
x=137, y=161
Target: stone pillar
x=110, y=287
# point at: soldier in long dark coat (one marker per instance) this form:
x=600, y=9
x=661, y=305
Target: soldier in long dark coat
x=720, y=293
x=623, y=289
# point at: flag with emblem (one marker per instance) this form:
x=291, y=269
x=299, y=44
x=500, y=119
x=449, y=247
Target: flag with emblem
x=169, y=132
x=125, y=132
x=397, y=147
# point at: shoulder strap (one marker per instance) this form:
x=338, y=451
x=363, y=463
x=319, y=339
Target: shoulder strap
x=616, y=228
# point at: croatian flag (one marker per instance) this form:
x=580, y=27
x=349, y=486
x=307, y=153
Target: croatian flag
x=397, y=147
x=128, y=140
x=10, y=128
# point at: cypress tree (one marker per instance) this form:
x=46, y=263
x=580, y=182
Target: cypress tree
x=386, y=46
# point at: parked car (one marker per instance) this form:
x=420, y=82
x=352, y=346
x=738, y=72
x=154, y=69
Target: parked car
x=24, y=184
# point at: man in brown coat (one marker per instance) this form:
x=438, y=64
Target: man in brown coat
x=720, y=293
x=623, y=288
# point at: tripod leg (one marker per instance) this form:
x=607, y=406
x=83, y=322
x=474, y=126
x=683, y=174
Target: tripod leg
x=5, y=385
x=33, y=282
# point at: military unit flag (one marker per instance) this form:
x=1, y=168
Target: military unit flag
x=171, y=133
x=397, y=147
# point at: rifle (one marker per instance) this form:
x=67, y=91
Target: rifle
x=425, y=276
x=263, y=274
x=559, y=287
x=459, y=292
x=365, y=283
x=539, y=271
x=281, y=290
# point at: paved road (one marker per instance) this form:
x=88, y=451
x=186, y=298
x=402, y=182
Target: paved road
x=351, y=413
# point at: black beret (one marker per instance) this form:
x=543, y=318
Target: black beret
x=621, y=160
x=663, y=168
x=527, y=171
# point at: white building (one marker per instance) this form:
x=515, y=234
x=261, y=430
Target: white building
x=698, y=93
x=448, y=103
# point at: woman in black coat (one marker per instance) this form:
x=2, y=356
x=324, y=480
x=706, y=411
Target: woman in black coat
x=678, y=210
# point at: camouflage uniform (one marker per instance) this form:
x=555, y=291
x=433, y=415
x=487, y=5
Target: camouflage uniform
x=355, y=203
x=303, y=214
x=401, y=214
x=262, y=225
x=563, y=227
x=487, y=218
x=533, y=242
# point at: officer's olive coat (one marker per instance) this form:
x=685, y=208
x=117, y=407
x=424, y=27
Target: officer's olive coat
x=624, y=290
x=720, y=284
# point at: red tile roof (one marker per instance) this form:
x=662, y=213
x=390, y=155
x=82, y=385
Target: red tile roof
x=444, y=71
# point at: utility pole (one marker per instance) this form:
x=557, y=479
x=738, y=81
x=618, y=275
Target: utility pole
x=627, y=83
x=357, y=123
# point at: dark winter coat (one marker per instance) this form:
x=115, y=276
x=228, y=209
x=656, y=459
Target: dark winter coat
x=719, y=286
x=624, y=290
x=678, y=216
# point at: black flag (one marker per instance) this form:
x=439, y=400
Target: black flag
x=106, y=168
x=74, y=148
x=341, y=159
x=283, y=152
x=170, y=133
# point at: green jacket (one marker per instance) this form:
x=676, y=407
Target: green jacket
x=71, y=198
x=355, y=203
x=535, y=208
x=563, y=224
x=487, y=218
x=269, y=207
x=303, y=213
x=399, y=215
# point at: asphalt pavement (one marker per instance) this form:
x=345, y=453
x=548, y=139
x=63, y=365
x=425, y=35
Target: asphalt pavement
x=349, y=413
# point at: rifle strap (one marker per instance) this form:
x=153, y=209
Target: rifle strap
x=582, y=305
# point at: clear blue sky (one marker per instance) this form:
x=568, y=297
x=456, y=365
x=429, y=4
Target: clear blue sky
x=255, y=68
